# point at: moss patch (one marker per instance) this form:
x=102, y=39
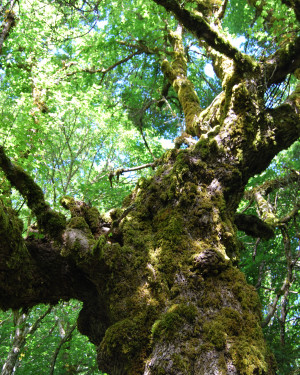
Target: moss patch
x=170, y=322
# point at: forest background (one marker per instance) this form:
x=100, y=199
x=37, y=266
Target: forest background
x=86, y=110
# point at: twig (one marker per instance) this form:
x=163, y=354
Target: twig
x=104, y=71
x=65, y=339
x=120, y=171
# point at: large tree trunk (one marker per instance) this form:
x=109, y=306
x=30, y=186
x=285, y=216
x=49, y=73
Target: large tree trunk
x=161, y=289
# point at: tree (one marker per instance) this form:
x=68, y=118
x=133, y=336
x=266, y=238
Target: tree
x=158, y=278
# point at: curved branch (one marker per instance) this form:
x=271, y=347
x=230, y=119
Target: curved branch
x=277, y=183
x=103, y=71
x=120, y=171
x=195, y=23
x=50, y=221
x=291, y=214
x=284, y=61
x=280, y=128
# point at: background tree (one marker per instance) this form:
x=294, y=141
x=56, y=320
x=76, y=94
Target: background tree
x=89, y=90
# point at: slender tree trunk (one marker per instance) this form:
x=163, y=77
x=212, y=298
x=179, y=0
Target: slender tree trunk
x=19, y=340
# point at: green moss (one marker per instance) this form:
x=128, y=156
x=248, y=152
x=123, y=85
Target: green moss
x=67, y=202
x=202, y=146
x=188, y=195
x=170, y=322
x=52, y=222
x=248, y=349
x=115, y=213
x=237, y=326
x=213, y=146
x=248, y=357
x=9, y=218
x=122, y=337
x=212, y=300
x=181, y=364
x=214, y=131
x=98, y=248
x=171, y=225
x=92, y=218
x=167, y=157
x=271, y=219
x=125, y=342
x=79, y=223
x=222, y=365
x=214, y=333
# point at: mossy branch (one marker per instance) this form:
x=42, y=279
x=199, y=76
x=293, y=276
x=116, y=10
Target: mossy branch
x=267, y=212
x=277, y=183
x=198, y=25
x=284, y=121
x=253, y=226
x=49, y=221
x=176, y=73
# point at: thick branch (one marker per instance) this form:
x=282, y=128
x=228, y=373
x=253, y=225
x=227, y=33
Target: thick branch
x=291, y=214
x=280, y=128
x=266, y=210
x=34, y=271
x=277, y=183
x=284, y=61
x=195, y=23
x=51, y=222
x=253, y=226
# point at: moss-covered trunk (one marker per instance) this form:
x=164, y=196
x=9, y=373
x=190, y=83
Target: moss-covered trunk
x=176, y=302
